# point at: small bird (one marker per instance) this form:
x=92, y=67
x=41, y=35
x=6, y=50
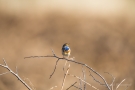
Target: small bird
x=66, y=50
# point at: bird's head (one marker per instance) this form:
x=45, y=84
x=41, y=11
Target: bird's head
x=66, y=44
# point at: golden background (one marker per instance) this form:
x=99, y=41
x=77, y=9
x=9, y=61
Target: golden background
x=101, y=34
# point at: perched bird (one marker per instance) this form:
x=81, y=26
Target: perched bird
x=66, y=50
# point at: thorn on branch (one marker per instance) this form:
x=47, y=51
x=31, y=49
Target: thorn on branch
x=53, y=52
x=5, y=62
x=16, y=70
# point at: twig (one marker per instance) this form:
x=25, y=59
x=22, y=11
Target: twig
x=54, y=68
x=4, y=73
x=65, y=77
x=64, y=67
x=96, y=79
x=120, y=83
x=38, y=56
x=77, y=87
x=71, y=85
x=6, y=66
x=112, y=80
x=31, y=84
x=84, y=77
x=80, y=83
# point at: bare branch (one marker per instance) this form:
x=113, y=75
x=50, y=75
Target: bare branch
x=84, y=77
x=120, y=83
x=71, y=85
x=5, y=66
x=64, y=67
x=112, y=80
x=65, y=77
x=54, y=55
x=96, y=79
x=54, y=68
x=4, y=73
x=77, y=87
x=38, y=56
x=80, y=83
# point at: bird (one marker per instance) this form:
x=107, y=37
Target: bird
x=66, y=50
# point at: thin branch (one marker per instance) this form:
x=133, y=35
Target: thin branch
x=31, y=84
x=77, y=63
x=77, y=87
x=4, y=73
x=96, y=79
x=64, y=67
x=38, y=56
x=112, y=80
x=71, y=85
x=6, y=66
x=65, y=77
x=120, y=83
x=112, y=77
x=84, y=77
x=80, y=83
x=54, y=68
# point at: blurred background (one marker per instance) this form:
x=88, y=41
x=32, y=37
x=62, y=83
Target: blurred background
x=101, y=34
